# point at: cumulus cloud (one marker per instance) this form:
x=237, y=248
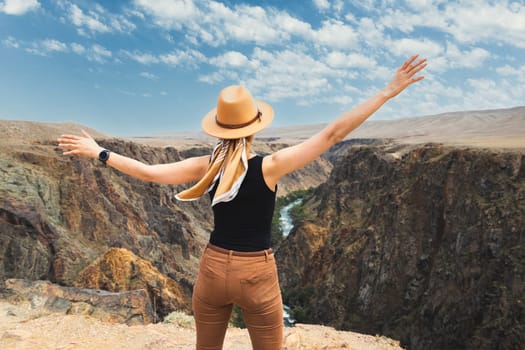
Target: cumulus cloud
x=467, y=21
x=351, y=60
x=407, y=46
x=276, y=75
x=46, y=47
x=91, y=22
x=214, y=23
x=18, y=7
x=512, y=72
x=322, y=4
x=500, y=20
x=168, y=13
x=336, y=34
x=230, y=59
x=96, y=19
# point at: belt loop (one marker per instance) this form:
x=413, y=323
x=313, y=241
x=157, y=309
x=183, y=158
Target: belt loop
x=230, y=253
x=266, y=255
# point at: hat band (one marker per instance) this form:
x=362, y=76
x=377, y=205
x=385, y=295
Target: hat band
x=238, y=126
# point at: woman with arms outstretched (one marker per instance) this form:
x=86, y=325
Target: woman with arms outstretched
x=237, y=266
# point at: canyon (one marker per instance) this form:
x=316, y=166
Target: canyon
x=404, y=233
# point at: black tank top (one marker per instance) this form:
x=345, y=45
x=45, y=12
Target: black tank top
x=245, y=223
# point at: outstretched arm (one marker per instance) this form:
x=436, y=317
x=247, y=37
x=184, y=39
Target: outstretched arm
x=292, y=158
x=188, y=170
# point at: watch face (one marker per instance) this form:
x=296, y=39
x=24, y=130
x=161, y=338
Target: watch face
x=104, y=155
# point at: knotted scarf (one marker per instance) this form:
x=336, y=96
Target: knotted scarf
x=228, y=165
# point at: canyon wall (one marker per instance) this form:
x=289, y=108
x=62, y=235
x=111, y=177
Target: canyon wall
x=426, y=246
x=60, y=214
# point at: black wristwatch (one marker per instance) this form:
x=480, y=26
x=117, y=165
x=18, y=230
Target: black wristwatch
x=103, y=156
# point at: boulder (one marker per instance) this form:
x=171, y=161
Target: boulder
x=43, y=298
x=121, y=270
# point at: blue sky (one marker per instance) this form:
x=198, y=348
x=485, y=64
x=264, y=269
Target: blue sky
x=144, y=67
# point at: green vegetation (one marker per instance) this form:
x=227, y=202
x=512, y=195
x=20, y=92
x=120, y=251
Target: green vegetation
x=300, y=300
x=236, y=319
x=297, y=212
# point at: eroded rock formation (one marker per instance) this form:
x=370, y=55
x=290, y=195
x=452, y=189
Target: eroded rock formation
x=120, y=270
x=44, y=298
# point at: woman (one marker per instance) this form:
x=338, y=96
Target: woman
x=237, y=266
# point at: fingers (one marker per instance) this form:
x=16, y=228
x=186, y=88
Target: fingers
x=409, y=68
x=69, y=137
x=409, y=62
x=413, y=80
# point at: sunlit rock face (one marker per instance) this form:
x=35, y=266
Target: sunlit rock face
x=425, y=245
x=121, y=270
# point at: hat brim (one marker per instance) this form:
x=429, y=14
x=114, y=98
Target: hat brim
x=210, y=126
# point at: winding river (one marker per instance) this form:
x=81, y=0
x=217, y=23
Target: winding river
x=285, y=220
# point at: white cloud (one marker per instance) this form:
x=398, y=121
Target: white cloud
x=98, y=54
x=336, y=34
x=353, y=60
x=322, y=4
x=97, y=19
x=475, y=21
x=489, y=93
x=481, y=84
x=276, y=75
x=406, y=47
x=216, y=24
x=169, y=13
x=174, y=58
x=143, y=58
x=371, y=31
x=243, y=23
x=78, y=48
x=92, y=22
x=149, y=76
x=467, y=21
x=465, y=59
x=180, y=57
x=291, y=26
x=11, y=42
x=512, y=72
x=230, y=59
x=54, y=45
x=18, y=7
x=45, y=47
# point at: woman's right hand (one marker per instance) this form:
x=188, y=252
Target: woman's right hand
x=405, y=76
x=83, y=145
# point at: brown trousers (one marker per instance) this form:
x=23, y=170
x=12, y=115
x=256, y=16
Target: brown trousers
x=248, y=280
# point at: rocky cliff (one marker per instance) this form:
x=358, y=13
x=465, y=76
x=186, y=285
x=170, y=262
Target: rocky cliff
x=427, y=246
x=59, y=214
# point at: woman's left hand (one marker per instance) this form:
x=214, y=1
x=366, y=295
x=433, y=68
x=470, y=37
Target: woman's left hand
x=83, y=145
x=405, y=76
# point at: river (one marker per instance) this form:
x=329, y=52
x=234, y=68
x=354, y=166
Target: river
x=285, y=220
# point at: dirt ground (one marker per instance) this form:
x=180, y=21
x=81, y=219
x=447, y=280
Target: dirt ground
x=22, y=329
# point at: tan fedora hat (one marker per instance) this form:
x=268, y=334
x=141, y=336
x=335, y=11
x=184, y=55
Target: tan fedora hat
x=237, y=114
